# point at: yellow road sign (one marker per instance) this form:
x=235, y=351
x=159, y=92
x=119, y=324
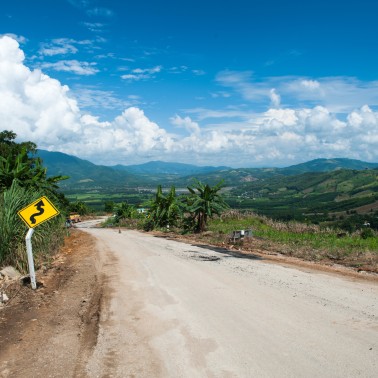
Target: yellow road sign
x=38, y=212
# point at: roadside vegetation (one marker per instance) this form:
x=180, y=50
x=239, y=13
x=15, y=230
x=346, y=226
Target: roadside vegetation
x=307, y=241
x=23, y=179
x=167, y=211
x=203, y=216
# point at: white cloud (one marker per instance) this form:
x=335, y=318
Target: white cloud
x=19, y=38
x=337, y=94
x=199, y=72
x=95, y=27
x=221, y=94
x=203, y=113
x=93, y=97
x=41, y=109
x=142, y=73
x=243, y=83
x=68, y=46
x=61, y=46
x=187, y=123
x=74, y=66
x=89, y=120
x=100, y=12
x=275, y=98
x=135, y=77
x=310, y=84
x=35, y=106
x=177, y=70
x=148, y=71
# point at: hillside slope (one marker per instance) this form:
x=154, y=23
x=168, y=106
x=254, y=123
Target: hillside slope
x=310, y=193
x=82, y=173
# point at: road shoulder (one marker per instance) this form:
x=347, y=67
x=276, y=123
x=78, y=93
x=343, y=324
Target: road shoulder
x=51, y=331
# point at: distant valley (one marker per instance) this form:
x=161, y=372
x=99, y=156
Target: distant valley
x=318, y=189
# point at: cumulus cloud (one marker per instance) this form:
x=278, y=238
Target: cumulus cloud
x=41, y=109
x=32, y=104
x=187, y=123
x=19, y=38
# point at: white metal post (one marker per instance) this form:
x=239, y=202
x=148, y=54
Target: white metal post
x=29, y=251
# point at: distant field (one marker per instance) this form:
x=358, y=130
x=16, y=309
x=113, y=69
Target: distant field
x=97, y=200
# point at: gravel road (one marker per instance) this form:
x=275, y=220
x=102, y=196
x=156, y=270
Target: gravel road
x=177, y=310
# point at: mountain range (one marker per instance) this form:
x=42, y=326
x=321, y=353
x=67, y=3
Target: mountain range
x=84, y=174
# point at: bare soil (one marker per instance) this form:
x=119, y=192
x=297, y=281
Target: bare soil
x=49, y=332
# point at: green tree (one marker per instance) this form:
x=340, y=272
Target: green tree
x=124, y=211
x=203, y=203
x=109, y=206
x=18, y=163
x=164, y=209
x=8, y=146
x=79, y=207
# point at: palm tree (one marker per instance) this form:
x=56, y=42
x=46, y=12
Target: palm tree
x=203, y=202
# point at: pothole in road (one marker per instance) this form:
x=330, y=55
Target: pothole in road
x=204, y=258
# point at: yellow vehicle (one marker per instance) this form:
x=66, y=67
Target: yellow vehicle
x=75, y=217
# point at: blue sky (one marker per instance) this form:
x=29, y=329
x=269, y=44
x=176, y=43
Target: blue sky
x=239, y=83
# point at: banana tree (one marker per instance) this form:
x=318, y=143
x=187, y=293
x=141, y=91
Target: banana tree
x=164, y=208
x=203, y=203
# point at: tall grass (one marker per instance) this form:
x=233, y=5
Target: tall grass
x=47, y=236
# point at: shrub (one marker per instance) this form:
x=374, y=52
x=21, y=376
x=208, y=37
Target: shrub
x=367, y=233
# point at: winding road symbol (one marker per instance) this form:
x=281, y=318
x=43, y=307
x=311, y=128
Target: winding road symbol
x=39, y=206
x=38, y=212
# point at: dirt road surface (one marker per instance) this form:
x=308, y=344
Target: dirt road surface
x=170, y=309
x=178, y=310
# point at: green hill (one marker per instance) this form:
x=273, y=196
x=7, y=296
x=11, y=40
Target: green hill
x=236, y=177
x=82, y=173
x=326, y=165
x=310, y=194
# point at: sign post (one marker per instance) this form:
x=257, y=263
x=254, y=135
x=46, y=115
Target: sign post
x=33, y=215
x=29, y=251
